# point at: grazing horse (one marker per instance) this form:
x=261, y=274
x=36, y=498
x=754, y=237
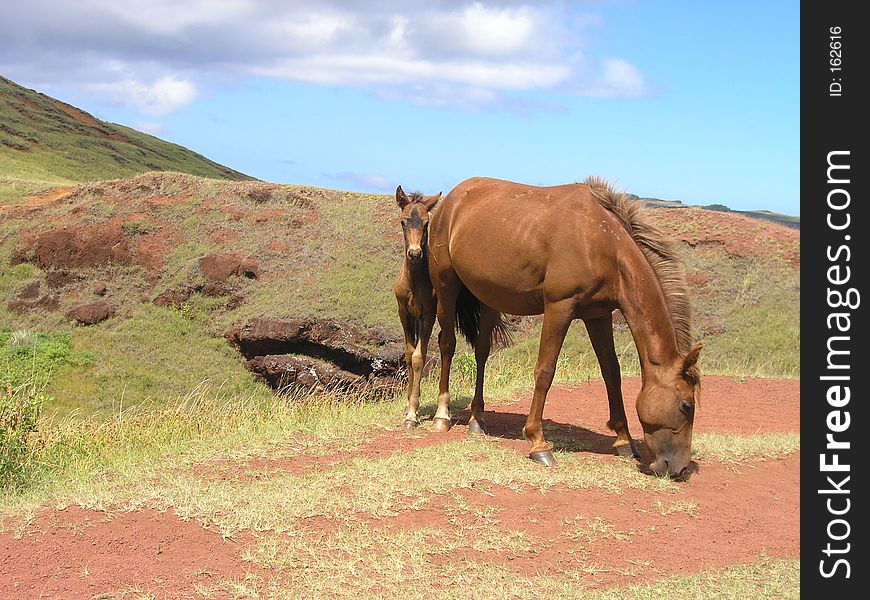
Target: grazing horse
x=416, y=298
x=570, y=251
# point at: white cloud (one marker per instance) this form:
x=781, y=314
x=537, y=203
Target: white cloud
x=617, y=79
x=169, y=17
x=164, y=96
x=498, y=31
x=156, y=54
x=360, y=70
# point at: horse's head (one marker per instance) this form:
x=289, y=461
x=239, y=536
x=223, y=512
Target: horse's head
x=415, y=221
x=666, y=407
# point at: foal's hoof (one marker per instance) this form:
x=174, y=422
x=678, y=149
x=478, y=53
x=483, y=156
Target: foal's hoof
x=477, y=427
x=411, y=424
x=627, y=450
x=440, y=424
x=545, y=457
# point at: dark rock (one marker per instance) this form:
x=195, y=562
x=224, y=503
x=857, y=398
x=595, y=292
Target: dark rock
x=59, y=278
x=30, y=298
x=235, y=301
x=92, y=313
x=314, y=353
x=214, y=289
x=249, y=268
x=30, y=291
x=173, y=297
x=220, y=267
x=19, y=256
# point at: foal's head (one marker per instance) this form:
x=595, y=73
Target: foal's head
x=415, y=221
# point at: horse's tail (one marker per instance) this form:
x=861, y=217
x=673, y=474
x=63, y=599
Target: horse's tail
x=468, y=320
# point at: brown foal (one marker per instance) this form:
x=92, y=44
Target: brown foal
x=416, y=298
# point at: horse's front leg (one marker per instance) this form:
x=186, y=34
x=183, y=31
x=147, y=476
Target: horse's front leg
x=601, y=335
x=557, y=319
x=447, y=344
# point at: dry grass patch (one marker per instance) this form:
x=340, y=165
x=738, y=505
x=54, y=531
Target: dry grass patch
x=737, y=448
x=472, y=580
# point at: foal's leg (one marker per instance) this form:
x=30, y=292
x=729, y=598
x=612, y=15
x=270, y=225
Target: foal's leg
x=448, y=292
x=488, y=319
x=601, y=334
x=418, y=356
x=411, y=419
x=557, y=319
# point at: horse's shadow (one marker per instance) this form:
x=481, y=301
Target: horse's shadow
x=565, y=437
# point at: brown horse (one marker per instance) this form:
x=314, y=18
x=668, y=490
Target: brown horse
x=416, y=298
x=570, y=251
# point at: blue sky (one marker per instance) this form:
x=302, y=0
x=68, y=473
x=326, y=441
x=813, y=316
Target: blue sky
x=696, y=101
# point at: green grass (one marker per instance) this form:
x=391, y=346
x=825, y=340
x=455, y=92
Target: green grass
x=28, y=361
x=34, y=358
x=152, y=355
x=750, y=319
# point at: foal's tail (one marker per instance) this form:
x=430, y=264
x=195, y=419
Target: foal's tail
x=468, y=320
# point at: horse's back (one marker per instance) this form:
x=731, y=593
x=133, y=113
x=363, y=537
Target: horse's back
x=517, y=246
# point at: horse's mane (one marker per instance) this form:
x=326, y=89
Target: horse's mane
x=659, y=251
x=416, y=197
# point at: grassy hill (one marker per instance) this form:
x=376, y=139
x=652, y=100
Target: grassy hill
x=46, y=140
x=322, y=253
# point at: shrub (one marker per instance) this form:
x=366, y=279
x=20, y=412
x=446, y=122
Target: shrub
x=19, y=413
x=27, y=362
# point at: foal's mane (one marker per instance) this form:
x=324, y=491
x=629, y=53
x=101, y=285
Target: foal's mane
x=659, y=250
x=416, y=197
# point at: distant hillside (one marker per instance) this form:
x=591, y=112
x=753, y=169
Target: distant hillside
x=48, y=140
x=766, y=215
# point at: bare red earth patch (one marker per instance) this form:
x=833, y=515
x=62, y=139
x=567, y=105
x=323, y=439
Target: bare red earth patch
x=79, y=553
x=723, y=515
x=720, y=517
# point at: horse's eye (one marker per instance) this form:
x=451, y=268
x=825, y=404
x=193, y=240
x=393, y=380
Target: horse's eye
x=688, y=408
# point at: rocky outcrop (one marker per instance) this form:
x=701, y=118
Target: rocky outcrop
x=78, y=247
x=91, y=313
x=31, y=297
x=320, y=354
x=220, y=267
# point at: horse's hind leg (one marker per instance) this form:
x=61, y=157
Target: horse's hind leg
x=557, y=319
x=488, y=319
x=601, y=334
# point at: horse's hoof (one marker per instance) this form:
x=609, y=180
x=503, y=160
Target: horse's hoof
x=477, y=427
x=440, y=424
x=628, y=450
x=545, y=457
x=411, y=424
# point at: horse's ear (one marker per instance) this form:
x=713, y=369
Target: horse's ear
x=692, y=357
x=431, y=201
x=401, y=198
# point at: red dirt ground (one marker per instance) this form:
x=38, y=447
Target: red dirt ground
x=737, y=511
